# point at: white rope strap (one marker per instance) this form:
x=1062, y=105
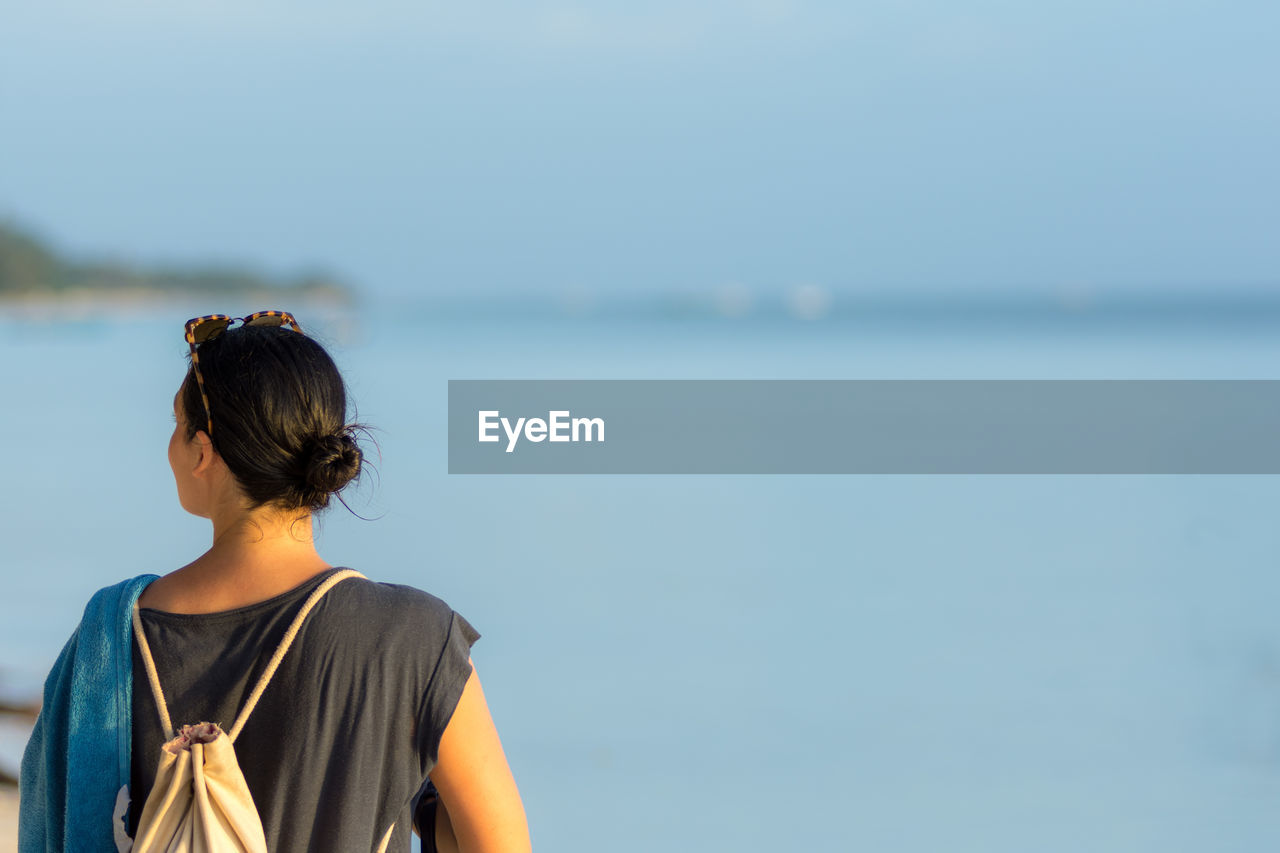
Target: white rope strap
x=150, y=664
x=312, y=601
x=272, y=665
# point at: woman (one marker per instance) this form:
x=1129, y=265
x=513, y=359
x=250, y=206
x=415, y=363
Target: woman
x=376, y=696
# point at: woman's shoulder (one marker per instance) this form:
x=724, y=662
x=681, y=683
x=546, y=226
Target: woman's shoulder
x=111, y=601
x=129, y=587
x=371, y=592
x=390, y=606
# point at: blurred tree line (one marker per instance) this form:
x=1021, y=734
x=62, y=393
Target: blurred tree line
x=29, y=266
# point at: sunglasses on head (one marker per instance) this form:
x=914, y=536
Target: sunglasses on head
x=206, y=328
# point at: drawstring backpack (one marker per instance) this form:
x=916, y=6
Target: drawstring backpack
x=200, y=802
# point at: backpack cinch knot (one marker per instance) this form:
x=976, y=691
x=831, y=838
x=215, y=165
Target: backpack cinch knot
x=199, y=733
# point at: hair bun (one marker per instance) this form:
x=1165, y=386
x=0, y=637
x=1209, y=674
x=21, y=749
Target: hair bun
x=332, y=461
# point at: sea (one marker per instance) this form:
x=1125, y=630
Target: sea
x=997, y=664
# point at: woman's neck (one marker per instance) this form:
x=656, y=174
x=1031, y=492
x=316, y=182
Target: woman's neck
x=255, y=556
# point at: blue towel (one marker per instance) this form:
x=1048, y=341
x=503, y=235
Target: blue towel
x=78, y=757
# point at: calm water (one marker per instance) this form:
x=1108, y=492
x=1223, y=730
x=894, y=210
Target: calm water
x=745, y=663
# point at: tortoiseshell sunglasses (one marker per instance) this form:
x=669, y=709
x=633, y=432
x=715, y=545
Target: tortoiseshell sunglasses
x=208, y=327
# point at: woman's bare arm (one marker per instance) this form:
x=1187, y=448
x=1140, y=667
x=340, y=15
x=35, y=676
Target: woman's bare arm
x=446, y=841
x=475, y=782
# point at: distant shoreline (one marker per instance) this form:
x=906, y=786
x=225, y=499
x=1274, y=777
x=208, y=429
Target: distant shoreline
x=1185, y=309
x=85, y=303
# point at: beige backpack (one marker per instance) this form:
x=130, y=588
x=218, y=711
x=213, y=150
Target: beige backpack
x=200, y=802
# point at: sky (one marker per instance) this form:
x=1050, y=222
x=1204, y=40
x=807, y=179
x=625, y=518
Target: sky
x=500, y=147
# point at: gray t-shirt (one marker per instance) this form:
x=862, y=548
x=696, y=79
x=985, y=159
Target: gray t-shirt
x=344, y=736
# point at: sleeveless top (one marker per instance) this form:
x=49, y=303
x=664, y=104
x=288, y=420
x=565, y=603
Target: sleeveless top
x=355, y=711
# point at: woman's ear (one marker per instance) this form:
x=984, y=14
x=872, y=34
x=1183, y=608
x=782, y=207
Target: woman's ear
x=207, y=454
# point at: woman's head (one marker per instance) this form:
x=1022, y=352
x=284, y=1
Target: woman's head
x=278, y=406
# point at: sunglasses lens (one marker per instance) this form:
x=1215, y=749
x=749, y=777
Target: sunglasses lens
x=272, y=318
x=266, y=320
x=209, y=329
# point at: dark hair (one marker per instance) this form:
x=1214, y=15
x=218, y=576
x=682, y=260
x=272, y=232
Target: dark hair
x=279, y=409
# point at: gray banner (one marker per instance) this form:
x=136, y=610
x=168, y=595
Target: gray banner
x=864, y=427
